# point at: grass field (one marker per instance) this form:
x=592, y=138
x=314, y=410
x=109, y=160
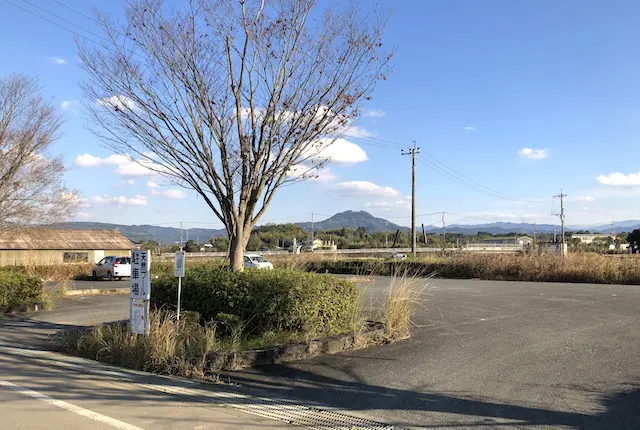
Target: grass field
x=576, y=267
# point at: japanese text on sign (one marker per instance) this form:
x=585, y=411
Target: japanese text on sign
x=140, y=277
x=178, y=268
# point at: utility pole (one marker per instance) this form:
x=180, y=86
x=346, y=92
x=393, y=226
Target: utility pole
x=311, y=231
x=181, y=235
x=562, y=219
x=413, y=151
x=444, y=234
x=424, y=234
x=386, y=240
x=534, y=236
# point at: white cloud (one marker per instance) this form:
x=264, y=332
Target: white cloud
x=83, y=216
x=533, y=154
x=66, y=104
x=620, y=179
x=88, y=160
x=118, y=200
x=126, y=165
x=152, y=184
x=302, y=171
x=469, y=128
x=364, y=188
x=139, y=168
x=357, y=132
x=117, y=102
x=341, y=151
x=128, y=181
x=581, y=199
x=389, y=204
x=58, y=60
x=374, y=113
x=169, y=194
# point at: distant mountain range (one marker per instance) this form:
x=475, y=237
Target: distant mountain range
x=347, y=219
x=139, y=233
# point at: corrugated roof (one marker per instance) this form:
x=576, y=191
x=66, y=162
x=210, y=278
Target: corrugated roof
x=46, y=238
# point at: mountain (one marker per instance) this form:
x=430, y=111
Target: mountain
x=498, y=228
x=352, y=219
x=138, y=233
x=347, y=219
x=620, y=226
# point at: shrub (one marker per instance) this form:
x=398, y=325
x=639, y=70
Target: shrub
x=264, y=300
x=18, y=291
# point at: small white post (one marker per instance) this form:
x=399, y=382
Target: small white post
x=179, y=293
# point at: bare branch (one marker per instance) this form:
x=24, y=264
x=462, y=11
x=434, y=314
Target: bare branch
x=31, y=187
x=228, y=96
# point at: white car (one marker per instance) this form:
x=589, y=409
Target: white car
x=254, y=261
x=112, y=267
x=398, y=256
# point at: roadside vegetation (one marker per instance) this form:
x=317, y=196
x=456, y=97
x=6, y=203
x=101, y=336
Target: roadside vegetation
x=20, y=293
x=225, y=313
x=576, y=267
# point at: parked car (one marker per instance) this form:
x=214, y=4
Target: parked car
x=398, y=256
x=112, y=267
x=254, y=261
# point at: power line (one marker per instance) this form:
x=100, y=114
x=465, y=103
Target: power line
x=54, y=23
x=444, y=170
x=75, y=10
x=66, y=20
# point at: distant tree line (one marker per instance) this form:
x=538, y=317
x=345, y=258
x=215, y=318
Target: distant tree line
x=281, y=236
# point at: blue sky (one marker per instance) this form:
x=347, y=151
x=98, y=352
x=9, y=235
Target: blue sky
x=521, y=97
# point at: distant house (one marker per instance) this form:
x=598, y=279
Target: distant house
x=588, y=238
x=521, y=241
x=501, y=244
x=44, y=246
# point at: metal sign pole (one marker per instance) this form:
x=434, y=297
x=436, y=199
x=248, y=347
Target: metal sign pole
x=179, y=292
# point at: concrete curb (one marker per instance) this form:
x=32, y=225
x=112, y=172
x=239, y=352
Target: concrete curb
x=96, y=292
x=373, y=335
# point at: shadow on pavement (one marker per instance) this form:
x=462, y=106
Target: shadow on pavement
x=620, y=410
x=19, y=331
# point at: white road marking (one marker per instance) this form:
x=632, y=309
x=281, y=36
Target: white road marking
x=69, y=407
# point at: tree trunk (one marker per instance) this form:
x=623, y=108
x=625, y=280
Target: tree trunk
x=237, y=244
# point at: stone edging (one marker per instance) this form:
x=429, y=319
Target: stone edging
x=374, y=334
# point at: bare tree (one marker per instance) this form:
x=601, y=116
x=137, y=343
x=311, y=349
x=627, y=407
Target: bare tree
x=31, y=186
x=232, y=98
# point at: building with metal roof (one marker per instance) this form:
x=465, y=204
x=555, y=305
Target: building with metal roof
x=45, y=246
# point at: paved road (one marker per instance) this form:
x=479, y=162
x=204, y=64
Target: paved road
x=484, y=355
x=101, y=284
x=488, y=355
x=43, y=389
x=46, y=391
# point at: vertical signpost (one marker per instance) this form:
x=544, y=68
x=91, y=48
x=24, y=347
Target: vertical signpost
x=178, y=272
x=140, y=292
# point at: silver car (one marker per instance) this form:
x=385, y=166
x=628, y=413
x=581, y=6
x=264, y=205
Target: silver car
x=112, y=267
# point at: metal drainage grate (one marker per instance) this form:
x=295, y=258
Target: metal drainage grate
x=290, y=413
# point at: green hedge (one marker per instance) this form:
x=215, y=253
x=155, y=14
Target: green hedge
x=18, y=291
x=264, y=300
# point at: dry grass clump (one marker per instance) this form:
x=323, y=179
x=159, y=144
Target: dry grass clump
x=406, y=292
x=172, y=347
